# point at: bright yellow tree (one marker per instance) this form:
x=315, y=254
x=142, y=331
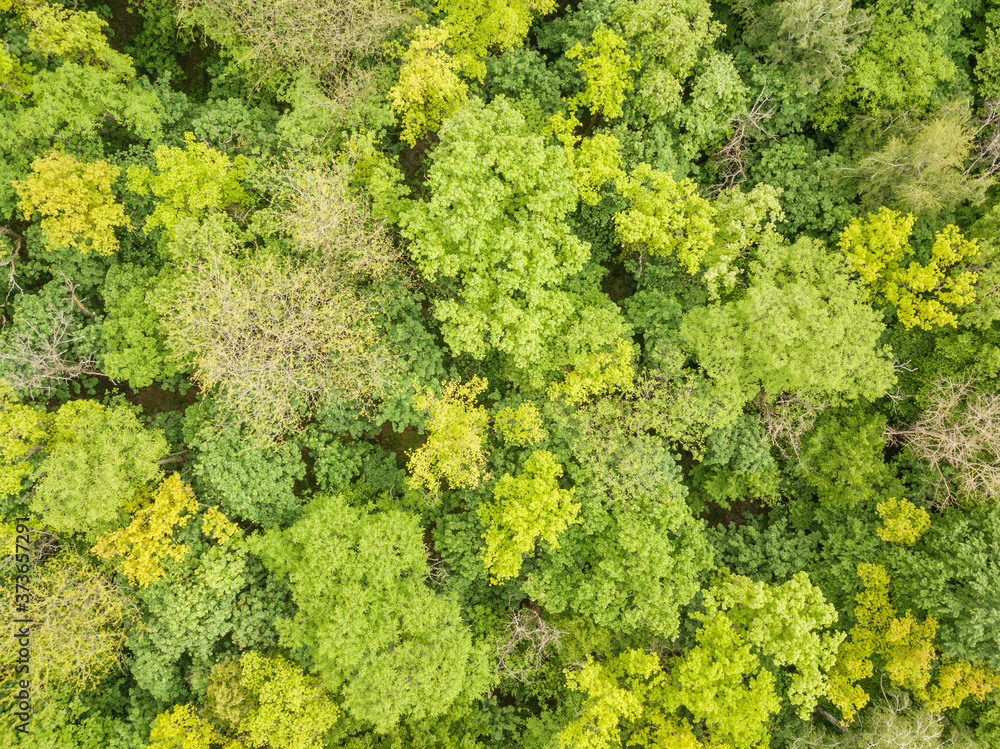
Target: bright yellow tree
x=145, y=542
x=75, y=201
x=429, y=89
x=456, y=427
x=924, y=295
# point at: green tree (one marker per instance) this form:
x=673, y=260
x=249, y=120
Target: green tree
x=811, y=41
x=900, y=66
x=25, y=432
x=95, y=459
x=787, y=625
x=132, y=328
x=495, y=227
x=666, y=217
x=407, y=654
x=668, y=37
x=769, y=339
x=527, y=509
x=606, y=67
x=927, y=168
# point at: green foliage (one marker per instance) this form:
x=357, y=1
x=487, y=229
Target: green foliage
x=926, y=168
x=900, y=66
x=636, y=556
x=788, y=625
x=948, y=574
x=248, y=481
x=96, y=459
x=668, y=37
x=132, y=329
x=25, y=432
x=813, y=41
x=410, y=655
x=813, y=201
x=738, y=465
x=801, y=328
x=527, y=509
x=923, y=294
x=722, y=683
x=841, y=458
x=214, y=599
x=496, y=231
x=665, y=218
x=765, y=549
x=149, y=537
x=903, y=522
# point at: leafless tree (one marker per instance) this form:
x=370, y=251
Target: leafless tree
x=34, y=358
x=749, y=127
x=960, y=429
x=524, y=646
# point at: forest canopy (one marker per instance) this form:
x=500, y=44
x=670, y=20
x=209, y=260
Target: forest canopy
x=465, y=374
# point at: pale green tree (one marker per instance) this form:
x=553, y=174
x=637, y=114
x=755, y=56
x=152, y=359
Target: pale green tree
x=373, y=628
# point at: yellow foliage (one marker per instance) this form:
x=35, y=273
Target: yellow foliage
x=909, y=651
x=75, y=201
x=429, y=89
x=955, y=682
x=902, y=521
x=521, y=427
x=218, y=526
x=148, y=539
x=454, y=447
x=923, y=295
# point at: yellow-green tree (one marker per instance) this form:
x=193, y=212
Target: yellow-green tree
x=481, y=26
x=271, y=702
x=182, y=727
x=79, y=623
x=924, y=295
x=665, y=217
x=606, y=67
x=902, y=521
x=456, y=428
x=22, y=433
x=429, y=89
x=75, y=201
x=190, y=182
x=905, y=648
x=527, y=509
x=148, y=540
